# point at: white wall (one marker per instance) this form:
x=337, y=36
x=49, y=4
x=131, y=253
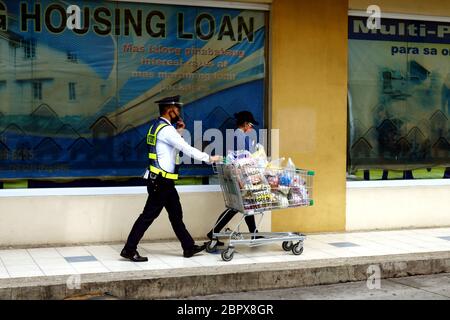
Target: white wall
x=69, y=219
x=397, y=204
x=107, y=214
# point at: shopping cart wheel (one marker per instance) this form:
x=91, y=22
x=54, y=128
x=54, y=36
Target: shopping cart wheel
x=211, y=246
x=297, y=249
x=227, y=255
x=287, y=245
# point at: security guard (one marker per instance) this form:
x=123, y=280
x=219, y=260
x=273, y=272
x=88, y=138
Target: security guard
x=165, y=142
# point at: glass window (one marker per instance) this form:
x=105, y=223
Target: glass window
x=29, y=48
x=37, y=90
x=103, y=90
x=72, y=57
x=72, y=91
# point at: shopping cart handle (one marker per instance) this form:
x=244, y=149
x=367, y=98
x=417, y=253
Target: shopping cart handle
x=308, y=172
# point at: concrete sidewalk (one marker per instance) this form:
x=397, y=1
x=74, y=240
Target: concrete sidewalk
x=61, y=272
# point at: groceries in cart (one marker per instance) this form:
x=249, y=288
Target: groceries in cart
x=268, y=184
x=252, y=184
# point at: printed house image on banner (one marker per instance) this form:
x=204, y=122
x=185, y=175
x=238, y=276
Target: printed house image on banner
x=141, y=150
x=404, y=148
x=4, y=151
x=419, y=144
x=103, y=130
x=45, y=120
x=48, y=150
x=18, y=142
x=80, y=150
x=125, y=143
x=387, y=137
x=66, y=130
x=441, y=149
x=44, y=111
x=439, y=125
x=361, y=149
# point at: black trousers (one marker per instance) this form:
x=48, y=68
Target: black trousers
x=226, y=217
x=161, y=194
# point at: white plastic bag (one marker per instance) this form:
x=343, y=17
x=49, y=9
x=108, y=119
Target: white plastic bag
x=260, y=156
x=290, y=166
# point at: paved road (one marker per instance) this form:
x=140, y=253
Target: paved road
x=431, y=287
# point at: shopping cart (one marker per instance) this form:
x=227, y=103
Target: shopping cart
x=254, y=191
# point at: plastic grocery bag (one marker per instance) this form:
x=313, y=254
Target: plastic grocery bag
x=276, y=164
x=290, y=166
x=260, y=156
x=234, y=156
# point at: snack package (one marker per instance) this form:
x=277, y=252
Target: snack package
x=256, y=190
x=244, y=162
x=273, y=181
x=255, y=187
x=257, y=199
x=299, y=195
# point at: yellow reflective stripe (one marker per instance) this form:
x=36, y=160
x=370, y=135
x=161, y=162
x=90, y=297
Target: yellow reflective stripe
x=376, y=174
x=151, y=137
x=434, y=173
x=166, y=175
x=152, y=156
x=395, y=174
x=171, y=176
x=359, y=174
x=162, y=125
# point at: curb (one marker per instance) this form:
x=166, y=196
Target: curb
x=180, y=283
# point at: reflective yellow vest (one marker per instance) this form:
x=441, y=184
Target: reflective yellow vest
x=152, y=135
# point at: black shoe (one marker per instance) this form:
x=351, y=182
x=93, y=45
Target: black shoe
x=257, y=237
x=195, y=249
x=133, y=256
x=219, y=243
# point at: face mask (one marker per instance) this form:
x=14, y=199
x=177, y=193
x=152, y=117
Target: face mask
x=175, y=119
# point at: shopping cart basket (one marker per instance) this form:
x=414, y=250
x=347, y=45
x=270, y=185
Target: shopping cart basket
x=254, y=191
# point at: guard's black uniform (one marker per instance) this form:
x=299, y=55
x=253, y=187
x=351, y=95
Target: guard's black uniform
x=161, y=194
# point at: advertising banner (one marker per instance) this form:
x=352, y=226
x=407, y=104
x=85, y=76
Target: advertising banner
x=78, y=80
x=399, y=95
